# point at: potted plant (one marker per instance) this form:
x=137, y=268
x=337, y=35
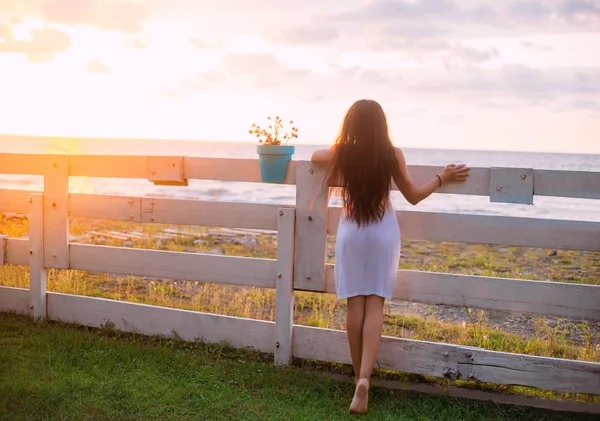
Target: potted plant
x=274, y=153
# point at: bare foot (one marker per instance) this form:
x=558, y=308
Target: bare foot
x=360, y=401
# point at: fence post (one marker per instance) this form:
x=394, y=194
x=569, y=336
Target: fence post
x=284, y=306
x=56, y=212
x=3, y=251
x=311, y=228
x=37, y=271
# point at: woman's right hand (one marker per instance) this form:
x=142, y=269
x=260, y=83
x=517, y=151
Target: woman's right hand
x=453, y=173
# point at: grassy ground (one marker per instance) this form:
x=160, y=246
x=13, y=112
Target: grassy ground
x=53, y=371
x=323, y=310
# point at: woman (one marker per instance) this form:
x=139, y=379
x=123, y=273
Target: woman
x=363, y=161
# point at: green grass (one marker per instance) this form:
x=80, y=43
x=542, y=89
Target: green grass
x=53, y=371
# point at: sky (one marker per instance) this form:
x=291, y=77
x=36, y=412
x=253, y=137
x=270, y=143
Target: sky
x=452, y=74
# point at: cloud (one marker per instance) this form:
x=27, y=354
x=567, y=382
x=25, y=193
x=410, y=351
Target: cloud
x=376, y=77
x=534, y=46
x=135, y=43
x=202, y=82
x=586, y=104
x=5, y=32
x=306, y=34
x=405, y=10
x=265, y=69
x=452, y=119
x=530, y=10
x=510, y=82
x=199, y=44
x=96, y=66
x=119, y=15
x=468, y=55
x=399, y=24
x=249, y=63
x=238, y=73
x=579, y=7
x=42, y=46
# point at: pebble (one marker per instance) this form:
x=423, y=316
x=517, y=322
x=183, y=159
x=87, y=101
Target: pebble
x=246, y=241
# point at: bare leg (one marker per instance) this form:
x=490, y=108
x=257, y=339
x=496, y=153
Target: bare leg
x=355, y=317
x=372, y=327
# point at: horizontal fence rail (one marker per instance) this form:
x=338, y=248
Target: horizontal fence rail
x=573, y=301
x=244, y=271
x=431, y=226
x=500, y=230
x=15, y=299
x=301, y=234
x=152, y=320
x=455, y=361
x=558, y=299
x=420, y=357
x=573, y=184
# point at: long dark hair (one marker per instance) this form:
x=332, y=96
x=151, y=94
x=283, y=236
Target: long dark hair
x=364, y=163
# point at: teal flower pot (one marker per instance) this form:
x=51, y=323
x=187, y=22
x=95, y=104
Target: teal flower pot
x=273, y=162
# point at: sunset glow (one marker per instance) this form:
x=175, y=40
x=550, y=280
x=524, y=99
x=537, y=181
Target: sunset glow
x=522, y=75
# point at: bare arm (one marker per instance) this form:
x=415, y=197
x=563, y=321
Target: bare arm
x=414, y=194
x=323, y=156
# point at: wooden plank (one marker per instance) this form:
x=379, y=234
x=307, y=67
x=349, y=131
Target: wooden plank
x=109, y=166
x=492, y=229
x=151, y=320
x=56, y=213
x=26, y=164
x=511, y=185
x=244, y=271
x=225, y=169
x=212, y=214
x=14, y=201
x=14, y=299
x=456, y=361
x=37, y=271
x=166, y=169
x=478, y=183
x=481, y=395
x=311, y=228
x=284, y=310
x=17, y=251
x=94, y=206
x=578, y=184
x=583, y=184
x=572, y=301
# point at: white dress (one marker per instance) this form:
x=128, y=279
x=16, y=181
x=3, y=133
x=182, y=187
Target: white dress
x=366, y=258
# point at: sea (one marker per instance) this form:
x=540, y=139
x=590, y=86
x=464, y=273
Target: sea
x=543, y=207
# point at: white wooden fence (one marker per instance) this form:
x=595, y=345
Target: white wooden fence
x=301, y=264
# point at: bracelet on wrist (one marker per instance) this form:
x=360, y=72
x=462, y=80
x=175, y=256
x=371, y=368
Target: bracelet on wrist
x=439, y=178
